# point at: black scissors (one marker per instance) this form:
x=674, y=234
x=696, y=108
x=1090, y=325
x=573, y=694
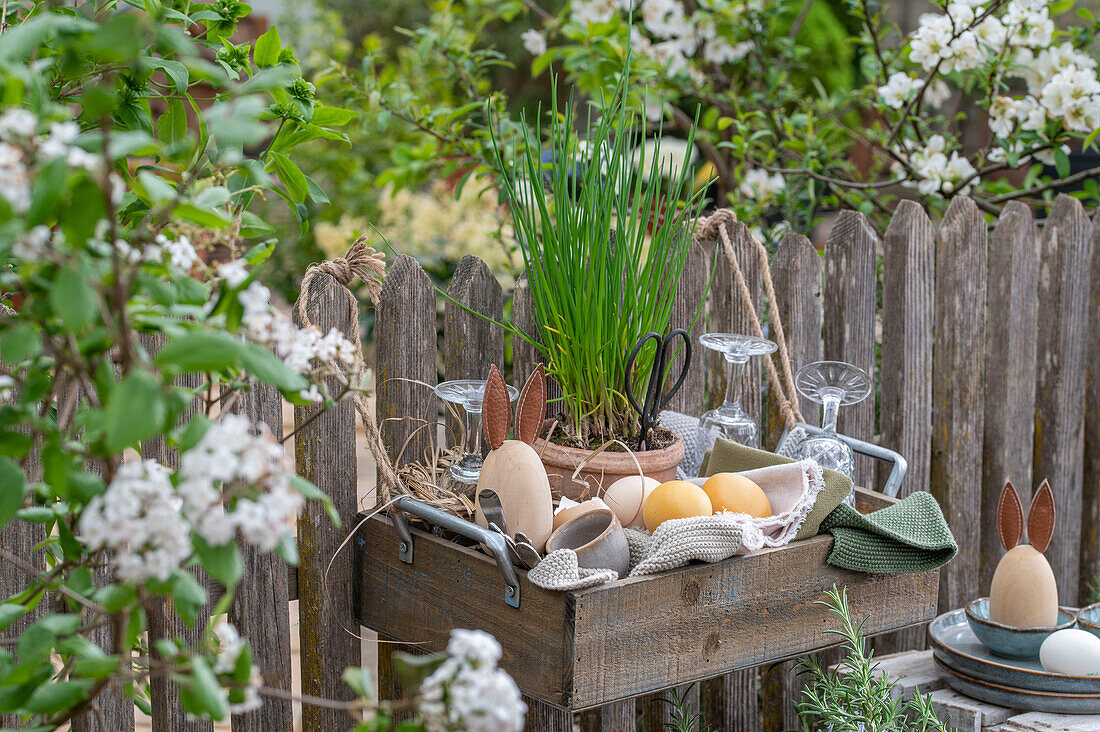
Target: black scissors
x=655, y=396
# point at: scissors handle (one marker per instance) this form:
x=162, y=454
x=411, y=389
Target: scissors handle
x=683, y=371
x=640, y=408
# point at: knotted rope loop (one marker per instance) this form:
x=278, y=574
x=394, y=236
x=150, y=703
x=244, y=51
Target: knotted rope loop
x=360, y=262
x=716, y=227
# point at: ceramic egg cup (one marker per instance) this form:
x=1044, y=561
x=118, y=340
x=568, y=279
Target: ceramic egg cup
x=598, y=539
x=1007, y=641
x=1088, y=618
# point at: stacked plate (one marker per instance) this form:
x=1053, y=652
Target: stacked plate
x=974, y=671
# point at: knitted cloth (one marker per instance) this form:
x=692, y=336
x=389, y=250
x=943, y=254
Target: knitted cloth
x=687, y=428
x=909, y=536
x=793, y=490
x=729, y=457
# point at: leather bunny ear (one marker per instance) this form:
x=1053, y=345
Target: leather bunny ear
x=532, y=406
x=1010, y=517
x=1041, y=517
x=496, y=409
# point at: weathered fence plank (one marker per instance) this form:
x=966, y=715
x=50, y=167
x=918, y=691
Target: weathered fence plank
x=906, y=395
x=470, y=342
x=261, y=607
x=689, y=298
x=619, y=717
x=542, y=717
x=525, y=355
x=1060, y=379
x=657, y=711
x=324, y=450
x=405, y=351
x=1011, y=338
x=732, y=702
x=1090, y=514
x=957, y=396
x=796, y=271
x=851, y=281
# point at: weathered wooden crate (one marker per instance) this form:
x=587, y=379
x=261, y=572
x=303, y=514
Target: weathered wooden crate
x=587, y=648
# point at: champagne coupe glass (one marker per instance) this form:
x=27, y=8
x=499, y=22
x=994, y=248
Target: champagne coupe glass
x=468, y=393
x=730, y=420
x=832, y=384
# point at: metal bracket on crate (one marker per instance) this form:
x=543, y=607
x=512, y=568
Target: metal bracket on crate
x=493, y=541
x=897, y=472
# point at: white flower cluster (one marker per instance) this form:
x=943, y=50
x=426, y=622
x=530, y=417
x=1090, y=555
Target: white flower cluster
x=147, y=522
x=934, y=170
x=230, y=453
x=1061, y=80
x=901, y=88
x=20, y=146
x=230, y=646
x=177, y=252
x=759, y=185
x=671, y=37
x=534, y=42
x=139, y=519
x=468, y=692
x=298, y=347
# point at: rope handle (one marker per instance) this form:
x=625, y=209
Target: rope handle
x=716, y=226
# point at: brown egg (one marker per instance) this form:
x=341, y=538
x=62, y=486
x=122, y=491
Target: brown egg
x=1024, y=593
x=736, y=493
x=626, y=496
x=672, y=500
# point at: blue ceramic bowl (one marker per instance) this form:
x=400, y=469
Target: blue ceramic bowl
x=1009, y=642
x=1089, y=619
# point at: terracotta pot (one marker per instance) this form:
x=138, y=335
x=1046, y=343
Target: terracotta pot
x=604, y=469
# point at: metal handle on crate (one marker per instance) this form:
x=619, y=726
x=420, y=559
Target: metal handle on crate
x=893, y=482
x=493, y=541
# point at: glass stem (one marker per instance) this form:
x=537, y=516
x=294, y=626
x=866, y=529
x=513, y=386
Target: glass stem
x=831, y=403
x=473, y=432
x=733, y=382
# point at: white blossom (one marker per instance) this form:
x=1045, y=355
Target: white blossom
x=139, y=518
x=7, y=387
x=230, y=646
x=1074, y=95
x=232, y=273
x=534, y=42
x=898, y=90
x=468, y=692
x=17, y=123
x=760, y=185
x=937, y=93
x=15, y=183
x=719, y=51
x=32, y=245
x=61, y=137
x=593, y=11
x=931, y=42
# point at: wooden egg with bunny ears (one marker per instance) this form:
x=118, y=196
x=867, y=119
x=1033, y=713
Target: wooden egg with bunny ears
x=1024, y=593
x=512, y=468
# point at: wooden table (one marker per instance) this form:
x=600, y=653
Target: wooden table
x=915, y=670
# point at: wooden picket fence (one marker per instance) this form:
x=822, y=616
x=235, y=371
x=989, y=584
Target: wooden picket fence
x=984, y=377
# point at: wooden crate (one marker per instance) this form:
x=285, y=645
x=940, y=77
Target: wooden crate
x=583, y=649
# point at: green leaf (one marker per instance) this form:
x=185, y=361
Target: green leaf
x=135, y=411
x=287, y=548
x=413, y=669
x=267, y=48
x=36, y=514
x=292, y=178
x=1061, y=162
x=20, y=342
x=73, y=299
x=202, y=216
x=205, y=691
x=201, y=350
x=312, y=492
x=188, y=596
x=223, y=563
x=174, y=70
x=259, y=253
x=9, y=612
x=13, y=486
x=96, y=666
x=191, y=434
x=270, y=369
x=172, y=125
x=360, y=681
x=335, y=116
x=115, y=597
x=57, y=696
x=46, y=192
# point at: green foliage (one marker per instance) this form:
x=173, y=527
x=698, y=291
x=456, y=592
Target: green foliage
x=856, y=695
x=683, y=718
x=604, y=246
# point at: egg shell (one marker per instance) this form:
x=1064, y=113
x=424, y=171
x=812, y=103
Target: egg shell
x=1071, y=651
x=514, y=470
x=571, y=512
x=1024, y=593
x=672, y=500
x=738, y=494
x=626, y=496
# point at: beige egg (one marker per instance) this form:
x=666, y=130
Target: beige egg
x=1024, y=593
x=626, y=496
x=515, y=472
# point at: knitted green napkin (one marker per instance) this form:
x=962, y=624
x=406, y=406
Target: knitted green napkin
x=730, y=457
x=909, y=536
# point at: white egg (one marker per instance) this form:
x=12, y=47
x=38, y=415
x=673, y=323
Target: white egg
x=625, y=497
x=1071, y=651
